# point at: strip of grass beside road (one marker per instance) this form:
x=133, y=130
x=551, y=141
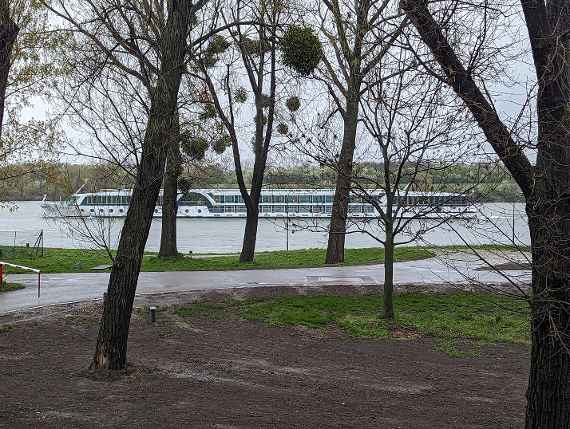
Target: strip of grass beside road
x=7, y=287
x=460, y=322
x=81, y=260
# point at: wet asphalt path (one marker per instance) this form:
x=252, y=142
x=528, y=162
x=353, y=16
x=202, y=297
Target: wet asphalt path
x=67, y=288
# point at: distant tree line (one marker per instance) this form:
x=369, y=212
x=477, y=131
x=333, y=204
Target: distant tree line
x=30, y=182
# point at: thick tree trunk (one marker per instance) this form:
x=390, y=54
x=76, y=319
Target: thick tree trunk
x=250, y=235
x=546, y=187
x=168, y=235
x=8, y=34
x=548, y=395
x=337, y=228
x=389, y=313
x=111, y=349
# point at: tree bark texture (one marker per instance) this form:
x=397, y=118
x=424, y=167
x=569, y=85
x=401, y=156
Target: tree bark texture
x=168, y=234
x=250, y=236
x=546, y=187
x=548, y=393
x=111, y=348
x=8, y=34
x=337, y=228
x=389, y=313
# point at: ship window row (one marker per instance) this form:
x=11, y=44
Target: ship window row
x=355, y=208
x=431, y=200
x=282, y=199
x=410, y=200
x=277, y=199
x=195, y=199
x=106, y=200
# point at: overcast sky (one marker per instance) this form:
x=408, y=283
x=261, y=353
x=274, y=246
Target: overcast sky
x=508, y=98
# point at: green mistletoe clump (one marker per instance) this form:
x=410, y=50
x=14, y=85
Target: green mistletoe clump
x=301, y=49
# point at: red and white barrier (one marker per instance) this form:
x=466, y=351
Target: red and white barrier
x=21, y=267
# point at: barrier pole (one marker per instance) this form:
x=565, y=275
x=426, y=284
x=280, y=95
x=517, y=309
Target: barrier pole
x=39, y=282
x=1, y=275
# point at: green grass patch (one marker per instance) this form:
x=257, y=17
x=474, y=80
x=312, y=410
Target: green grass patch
x=7, y=287
x=209, y=309
x=460, y=322
x=83, y=260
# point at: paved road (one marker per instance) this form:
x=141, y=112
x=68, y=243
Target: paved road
x=65, y=288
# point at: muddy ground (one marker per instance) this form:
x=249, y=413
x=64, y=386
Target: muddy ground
x=203, y=373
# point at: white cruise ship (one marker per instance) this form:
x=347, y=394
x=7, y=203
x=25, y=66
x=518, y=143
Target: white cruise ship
x=275, y=203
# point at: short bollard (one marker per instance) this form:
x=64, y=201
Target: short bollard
x=152, y=314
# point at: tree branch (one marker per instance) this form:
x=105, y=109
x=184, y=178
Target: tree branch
x=465, y=87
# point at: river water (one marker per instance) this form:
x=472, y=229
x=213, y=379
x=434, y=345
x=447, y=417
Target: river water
x=21, y=222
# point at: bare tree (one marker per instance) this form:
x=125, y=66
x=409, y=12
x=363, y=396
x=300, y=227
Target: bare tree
x=112, y=110
x=358, y=35
x=545, y=185
x=411, y=132
x=149, y=43
x=414, y=134
x=254, y=50
x=191, y=138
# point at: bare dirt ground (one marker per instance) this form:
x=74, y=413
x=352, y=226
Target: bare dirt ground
x=203, y=373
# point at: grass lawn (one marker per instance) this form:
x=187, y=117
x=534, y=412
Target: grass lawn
x=459, y=322
x=79, y=260
x=7, y=287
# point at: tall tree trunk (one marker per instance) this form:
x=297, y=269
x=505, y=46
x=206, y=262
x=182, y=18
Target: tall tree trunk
x=252, y=200
x=8, y=34
x=389, y=275
x=337, y=228
x=548, y=393
x=111, y=348
x=168, y=236
x=250, y=235
x=546, y=187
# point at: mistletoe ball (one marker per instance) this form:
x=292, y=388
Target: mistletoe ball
x=301, y=49
x=293, y=104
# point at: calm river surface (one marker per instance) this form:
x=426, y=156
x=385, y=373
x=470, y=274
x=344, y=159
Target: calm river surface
x=20, y=223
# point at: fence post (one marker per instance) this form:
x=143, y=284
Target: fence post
x=1, y=275
x=39, y=282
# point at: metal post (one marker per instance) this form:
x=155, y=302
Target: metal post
x=1, y=275
x=513, y=223
x=287, y=233
x=39, y=282
x=287, y=222
x=152, y=314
